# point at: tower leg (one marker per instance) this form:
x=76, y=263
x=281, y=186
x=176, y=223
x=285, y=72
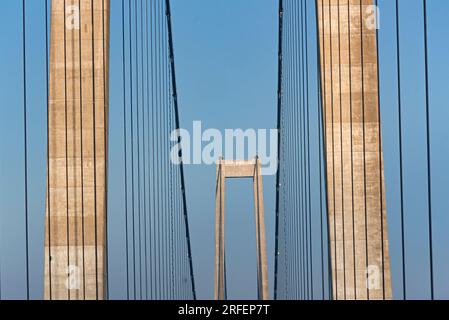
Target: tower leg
x=75, y=242
x=356, y=193
x=220, y=281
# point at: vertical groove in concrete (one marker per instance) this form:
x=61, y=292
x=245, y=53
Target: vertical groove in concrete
x=75, y=229
x=356, y=188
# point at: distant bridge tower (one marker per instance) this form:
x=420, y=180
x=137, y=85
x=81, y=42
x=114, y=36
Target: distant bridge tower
x=75, y=243
x=356, y=193
x=239, y=169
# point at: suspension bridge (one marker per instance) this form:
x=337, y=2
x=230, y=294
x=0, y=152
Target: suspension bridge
x=361, y=185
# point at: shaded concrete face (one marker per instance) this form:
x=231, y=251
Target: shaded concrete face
x=356, y=192
x=240, y=169
x=78, y=110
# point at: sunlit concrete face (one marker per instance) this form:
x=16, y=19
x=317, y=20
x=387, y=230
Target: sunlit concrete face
x=356, y=191
x=78, y=110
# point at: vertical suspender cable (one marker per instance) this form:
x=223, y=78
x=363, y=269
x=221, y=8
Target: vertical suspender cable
x=289, y=182
x=302, y=138
x=163, y=155
x=66, y=148
x=292, y=186
x=287, y=92
x=25, y=107
x=161, y=151
x=105, y=130
x=149, y=48
x=154, y=185
x=160, y=163
x=341, y=154
x=138, y=147
x=284, y=155
x=138, y=109
x=306, y=143
x=158, y=100
x=291, y=208
x=319, y=149
x=302, y=144
x=364, y=141
x=125, y=150
x=320, y=159
x=401, y=171
x=301, y=88
x=165, y=162
x=170, y=178
x=175, y=208
x=333, y=149
x=284, y=184
x=288, y=211
x=82, y=153
x=148, y=153
x=291, y=136
x=308, y=148
x=296, y=155
x=146, y=138
x=171, y=190
x=48, y=148
x=95, y=149
x=167, y=157
x=352, y=150
x=132, y=151
x=295, y=189
x=379, y=128
x=429, y=163
x=292, y=104
x=144, y=288
x=160, y=148
x=279, y=105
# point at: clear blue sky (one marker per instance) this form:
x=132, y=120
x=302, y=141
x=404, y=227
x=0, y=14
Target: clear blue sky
x=226, y=60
